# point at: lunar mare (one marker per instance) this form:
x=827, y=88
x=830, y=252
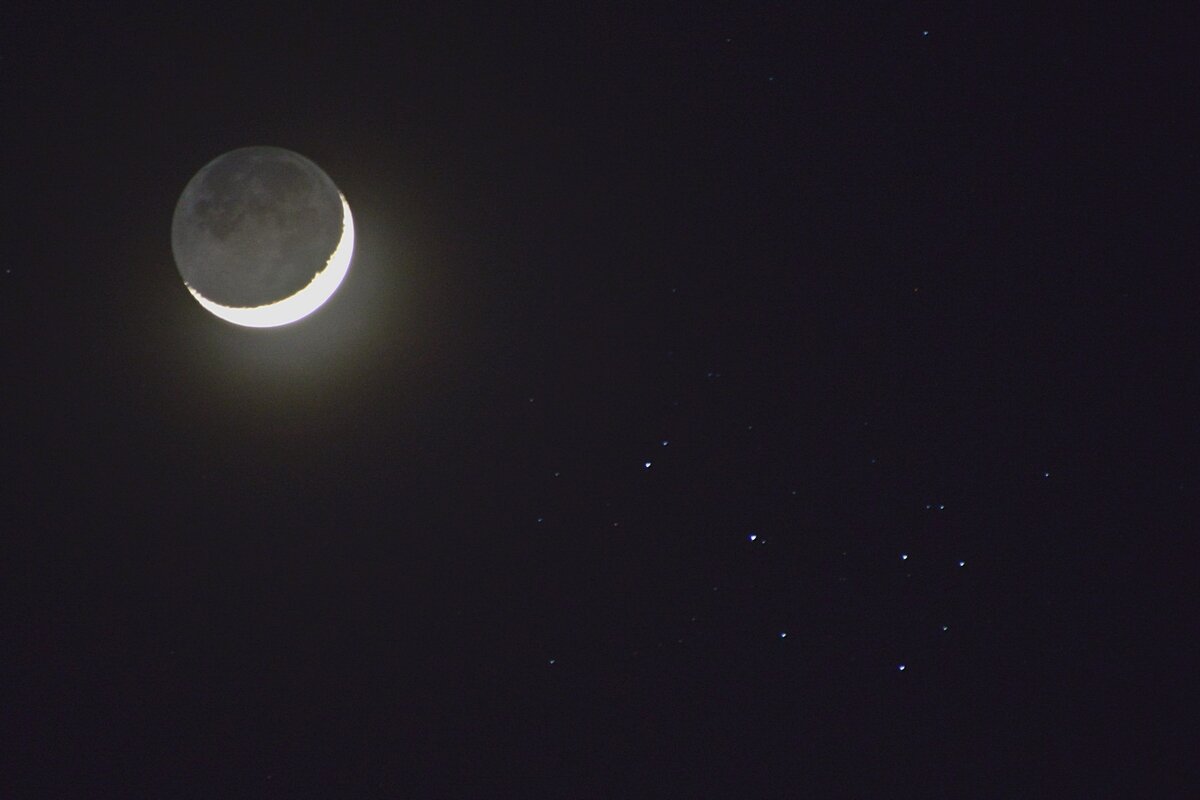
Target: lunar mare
x=262, y=237
x=303, y=302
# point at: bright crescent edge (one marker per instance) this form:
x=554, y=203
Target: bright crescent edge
x=303, y=302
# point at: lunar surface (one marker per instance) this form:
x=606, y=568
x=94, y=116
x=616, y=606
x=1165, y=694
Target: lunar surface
x=262, y=236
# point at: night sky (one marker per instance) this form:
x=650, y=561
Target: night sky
x=759, y=400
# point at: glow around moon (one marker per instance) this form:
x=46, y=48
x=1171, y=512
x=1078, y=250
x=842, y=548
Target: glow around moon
x=303, y=302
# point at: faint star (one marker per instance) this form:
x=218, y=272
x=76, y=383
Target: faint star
x=904, y=556
x=752, y=536
x=902, y=668
x=962, y=563
x=646, y=465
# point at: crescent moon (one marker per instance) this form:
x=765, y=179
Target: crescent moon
x=262, y=237
x=303, y=302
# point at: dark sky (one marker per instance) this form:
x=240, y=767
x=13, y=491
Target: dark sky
x=722, y=402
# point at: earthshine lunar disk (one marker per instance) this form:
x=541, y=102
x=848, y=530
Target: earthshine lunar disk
x=262, y=237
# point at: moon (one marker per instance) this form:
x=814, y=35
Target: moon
x=262, y=237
